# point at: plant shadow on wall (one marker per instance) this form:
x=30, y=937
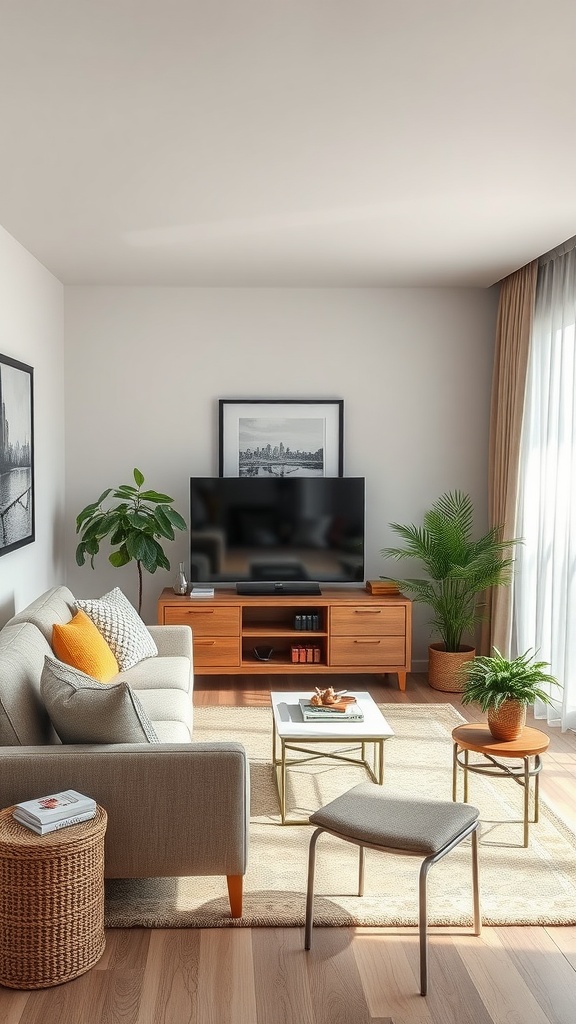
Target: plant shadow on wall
x=135, y=526
x=459, y=571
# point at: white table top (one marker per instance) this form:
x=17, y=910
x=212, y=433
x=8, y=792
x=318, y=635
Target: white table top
x=291, y=725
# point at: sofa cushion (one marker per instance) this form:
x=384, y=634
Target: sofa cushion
x=83, y=710
x=80, y=643
x=23, y=717
x=167, y=705
x=55, y=605
x=156, y=673
x=121, y=627
x=172, y=732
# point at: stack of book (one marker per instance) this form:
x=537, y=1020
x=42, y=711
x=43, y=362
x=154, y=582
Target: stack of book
x=49, y=813
x=202, y=591
x=344, y=711
x=383, y=588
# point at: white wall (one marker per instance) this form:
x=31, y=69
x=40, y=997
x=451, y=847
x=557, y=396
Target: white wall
x=145, y=368
x=32, y=331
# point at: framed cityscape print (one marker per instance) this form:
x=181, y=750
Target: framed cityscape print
x=16, y=454
x=272, y=437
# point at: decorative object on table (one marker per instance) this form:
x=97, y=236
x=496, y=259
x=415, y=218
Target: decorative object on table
x=135, y=525
x=503, y=688
x=17, y=506
x=180, y=582
x=199, y=590
x=459, y=570
x=271, y=437
x=346, y=710
x=50, y=813
x=325, y=697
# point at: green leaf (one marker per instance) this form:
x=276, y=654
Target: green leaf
x=80, y=558
x=138, y=477
x=163, y=523
x=155, y=497
x=176, y=519
x=138, y=520
x=119, y=558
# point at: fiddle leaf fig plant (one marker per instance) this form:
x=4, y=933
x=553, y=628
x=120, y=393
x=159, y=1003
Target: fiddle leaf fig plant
x=135, y=525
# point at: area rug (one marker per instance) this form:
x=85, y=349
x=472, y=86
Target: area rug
x=519, y=886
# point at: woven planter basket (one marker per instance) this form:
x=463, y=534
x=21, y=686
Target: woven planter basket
x=51, y=902
x=443, y=667
x=507, y=721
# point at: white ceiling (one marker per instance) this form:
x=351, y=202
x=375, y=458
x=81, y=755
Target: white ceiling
x=287, y=142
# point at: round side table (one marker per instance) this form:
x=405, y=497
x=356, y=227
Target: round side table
x=526, y=749
x=51, y=901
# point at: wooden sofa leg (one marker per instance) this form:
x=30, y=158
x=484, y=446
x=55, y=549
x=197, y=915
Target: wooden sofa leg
x=235, y=883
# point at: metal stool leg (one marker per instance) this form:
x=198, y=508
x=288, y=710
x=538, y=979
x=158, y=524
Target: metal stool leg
x=476, y=882
x=423, y=925
x=310, y=888
x=361, y=864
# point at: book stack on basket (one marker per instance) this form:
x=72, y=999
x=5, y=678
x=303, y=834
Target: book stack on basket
x=329, y=706
x=49, y=813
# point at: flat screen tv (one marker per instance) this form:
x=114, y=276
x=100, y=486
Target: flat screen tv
x=272, y=535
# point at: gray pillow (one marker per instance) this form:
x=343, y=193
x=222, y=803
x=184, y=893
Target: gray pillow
x=82, y=710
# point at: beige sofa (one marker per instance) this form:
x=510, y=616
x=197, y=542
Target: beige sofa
x=175, y=807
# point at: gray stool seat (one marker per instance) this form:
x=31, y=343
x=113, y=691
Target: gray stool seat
x=370, y=817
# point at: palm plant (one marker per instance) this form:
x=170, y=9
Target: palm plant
x=459, y=568
x=135, y=525
x=490, y=681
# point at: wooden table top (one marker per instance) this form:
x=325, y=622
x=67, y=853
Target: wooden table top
x=479, y=738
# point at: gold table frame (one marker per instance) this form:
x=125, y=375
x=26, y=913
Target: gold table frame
x=300, y=744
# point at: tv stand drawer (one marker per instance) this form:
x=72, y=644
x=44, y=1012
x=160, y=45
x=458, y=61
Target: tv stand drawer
x=367, y=650
x=204, y=618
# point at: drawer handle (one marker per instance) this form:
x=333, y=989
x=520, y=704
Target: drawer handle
x=200, y=611
x=204, y=643
x=367, y=641
x=368, y=611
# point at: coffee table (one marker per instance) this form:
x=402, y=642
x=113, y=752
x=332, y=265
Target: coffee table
x=295, y=736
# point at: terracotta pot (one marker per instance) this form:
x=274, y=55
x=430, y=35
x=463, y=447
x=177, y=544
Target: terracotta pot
x=507, y=721
x=443, y=667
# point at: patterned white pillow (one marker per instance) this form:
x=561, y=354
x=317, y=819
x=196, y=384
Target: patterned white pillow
x=121, y=627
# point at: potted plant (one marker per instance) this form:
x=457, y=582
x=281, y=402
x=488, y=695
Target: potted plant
x=135, y=526
x=459, y=569
x=503, y=689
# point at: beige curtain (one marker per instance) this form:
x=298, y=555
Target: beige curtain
x=513, y=331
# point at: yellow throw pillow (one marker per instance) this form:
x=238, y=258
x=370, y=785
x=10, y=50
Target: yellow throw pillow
x=80, y=643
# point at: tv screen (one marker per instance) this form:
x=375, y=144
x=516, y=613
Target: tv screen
x=290, y=530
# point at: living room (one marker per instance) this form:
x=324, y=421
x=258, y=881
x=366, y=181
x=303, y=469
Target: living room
x=346, y=248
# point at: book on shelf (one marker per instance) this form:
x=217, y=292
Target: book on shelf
x=202, y=591
x=329, y=712
x=47, y=809
x=53, y=826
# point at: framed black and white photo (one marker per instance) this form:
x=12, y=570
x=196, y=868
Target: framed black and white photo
x=270, y=437
x=16, y=454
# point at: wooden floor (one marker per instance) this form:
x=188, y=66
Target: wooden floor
x=351, y=976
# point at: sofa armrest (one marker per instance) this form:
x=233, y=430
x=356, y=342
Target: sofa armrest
x=172, y=640
x=173, y=809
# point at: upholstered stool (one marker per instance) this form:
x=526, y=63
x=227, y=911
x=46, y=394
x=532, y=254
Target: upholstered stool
x=368, y=817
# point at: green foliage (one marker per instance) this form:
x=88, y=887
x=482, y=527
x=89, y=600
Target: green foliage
x=459, y=568
x=132, y=526
x=489, y=681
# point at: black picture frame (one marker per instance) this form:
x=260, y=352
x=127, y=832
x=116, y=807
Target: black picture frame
x=17, y=498
x=247, y=426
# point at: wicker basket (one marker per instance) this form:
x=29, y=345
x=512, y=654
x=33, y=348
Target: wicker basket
x=507, y=721
x=51, y=902
x=443, y=667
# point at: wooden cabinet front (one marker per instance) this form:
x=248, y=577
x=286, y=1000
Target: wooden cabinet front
x=351, y=632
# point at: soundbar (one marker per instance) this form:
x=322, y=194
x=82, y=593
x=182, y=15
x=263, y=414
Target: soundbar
x=288, y=588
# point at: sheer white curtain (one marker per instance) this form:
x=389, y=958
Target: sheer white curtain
x=545, y=579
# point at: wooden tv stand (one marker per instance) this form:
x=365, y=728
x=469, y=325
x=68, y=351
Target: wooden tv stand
x=357, y=632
